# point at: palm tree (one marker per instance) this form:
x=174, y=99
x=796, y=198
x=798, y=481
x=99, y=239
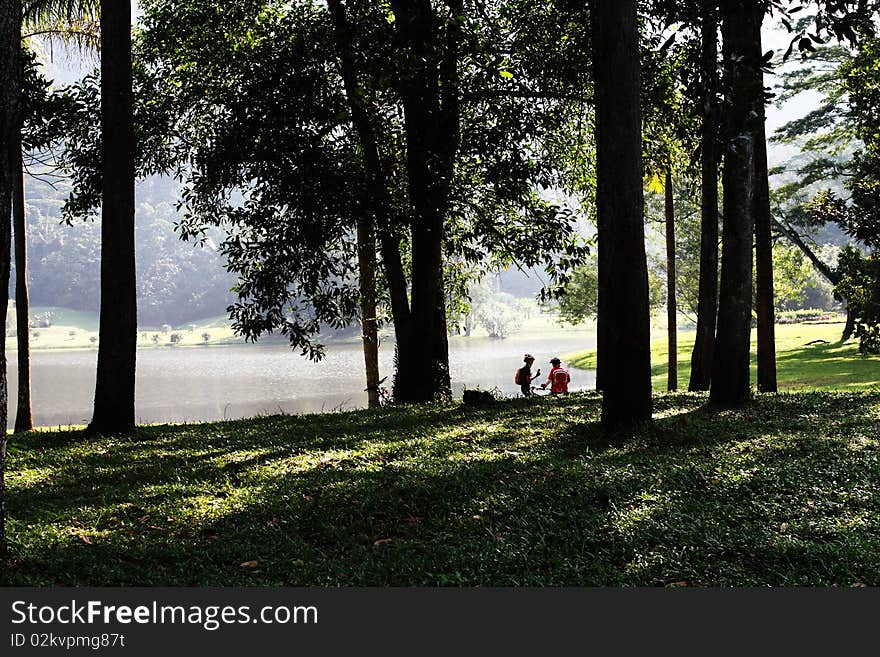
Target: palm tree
x=68, y=23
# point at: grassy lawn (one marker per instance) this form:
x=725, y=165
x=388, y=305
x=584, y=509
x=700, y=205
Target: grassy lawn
x=75, y=329
x=828, y=365
x=527, y=492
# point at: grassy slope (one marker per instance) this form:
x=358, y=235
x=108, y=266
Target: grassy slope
x=526, y=492
x=831, y=366
x=74, y=329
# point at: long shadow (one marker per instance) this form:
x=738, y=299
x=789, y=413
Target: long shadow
x=568, y=509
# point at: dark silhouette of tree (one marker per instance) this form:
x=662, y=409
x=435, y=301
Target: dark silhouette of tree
x=671, y=303
x=623, y=274
x=707, y=304
x=740, y=27
x=765, y=302
x=366, y=223
x=10, y=160
x=24, y=420
x=115, y=385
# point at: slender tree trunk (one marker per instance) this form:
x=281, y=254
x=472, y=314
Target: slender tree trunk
x=10, y=157
x=366, y=246
x=623, y=285
x=764, y=298
x=707, y=304
x=602, y=274
x=730, y=368
x=850, y=326
x=376, y=193
x=115, y=386
x=671, y=302
x=24, y=420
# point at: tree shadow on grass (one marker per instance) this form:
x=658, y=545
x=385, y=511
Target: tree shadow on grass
x=776, y=493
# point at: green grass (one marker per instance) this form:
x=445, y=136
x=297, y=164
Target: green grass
x=527, y=492
x=800, y=366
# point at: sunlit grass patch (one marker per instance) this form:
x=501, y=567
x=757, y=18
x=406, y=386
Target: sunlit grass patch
x=527, y=492
x=808, y=357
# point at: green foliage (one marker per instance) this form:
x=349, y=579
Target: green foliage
x=579, y=299
x=525, y=492
x=792, y=276
x=860, y=285
x=848, y=116
x=257, y=126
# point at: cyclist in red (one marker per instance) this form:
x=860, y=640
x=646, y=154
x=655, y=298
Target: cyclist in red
x=558, y=380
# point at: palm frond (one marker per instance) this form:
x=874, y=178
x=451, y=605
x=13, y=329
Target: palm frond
x=47, y=24
x=37, y=13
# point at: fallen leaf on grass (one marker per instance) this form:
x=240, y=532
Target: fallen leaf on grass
x=250, y=564
x=381, y=541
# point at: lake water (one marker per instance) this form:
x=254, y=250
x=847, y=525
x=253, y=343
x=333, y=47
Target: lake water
x=212, y=383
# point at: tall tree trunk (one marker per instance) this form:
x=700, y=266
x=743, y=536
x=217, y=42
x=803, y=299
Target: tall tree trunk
x=671, y=302
x=430, y=101
x=602, y=274
x=115, y=386
x=376, y=193
x=741, y=20
x=850, y=327
x=764, y=298
x=366, y=247
x=707, y=303
x=24, y=420
x=623, y=285
x=10, y=156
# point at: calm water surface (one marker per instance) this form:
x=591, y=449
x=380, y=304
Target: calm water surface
x=212, y=383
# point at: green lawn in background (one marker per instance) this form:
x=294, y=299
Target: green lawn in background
x=828, y=365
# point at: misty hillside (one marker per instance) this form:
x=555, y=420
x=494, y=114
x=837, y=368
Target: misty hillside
x=177, y=281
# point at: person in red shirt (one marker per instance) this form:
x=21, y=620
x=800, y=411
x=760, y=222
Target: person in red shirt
x=558, y=379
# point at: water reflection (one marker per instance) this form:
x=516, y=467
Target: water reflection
x=227, y=382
